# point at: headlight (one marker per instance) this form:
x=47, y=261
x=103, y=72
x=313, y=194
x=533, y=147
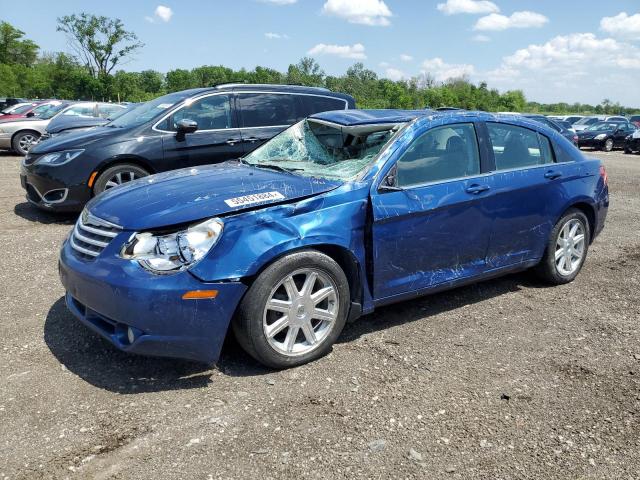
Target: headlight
x=175, y=251
x=602, y=136
x=59, y=158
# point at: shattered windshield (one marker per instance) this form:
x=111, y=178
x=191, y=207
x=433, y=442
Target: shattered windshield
x=323, y=150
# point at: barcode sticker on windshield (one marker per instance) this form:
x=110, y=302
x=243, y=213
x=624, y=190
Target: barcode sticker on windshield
x=254, y=198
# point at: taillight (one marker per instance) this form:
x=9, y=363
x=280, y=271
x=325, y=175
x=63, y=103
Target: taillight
x=604, y=176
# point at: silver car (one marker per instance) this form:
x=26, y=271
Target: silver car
x=21, y=134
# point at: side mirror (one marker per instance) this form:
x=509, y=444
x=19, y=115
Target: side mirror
x=389, y=182
x=185, y=126
x=30, y=114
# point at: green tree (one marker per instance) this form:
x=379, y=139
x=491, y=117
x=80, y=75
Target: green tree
x=101, y=43
x=14, y=49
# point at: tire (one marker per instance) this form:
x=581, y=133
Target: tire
x=123, y=171
x=23, y=141
x=608, y=145
x=557, y=272
x=254, y=318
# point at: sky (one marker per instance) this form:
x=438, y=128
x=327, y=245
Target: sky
x=553, y=50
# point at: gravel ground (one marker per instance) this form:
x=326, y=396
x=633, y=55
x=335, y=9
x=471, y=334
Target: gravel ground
x=504, y=379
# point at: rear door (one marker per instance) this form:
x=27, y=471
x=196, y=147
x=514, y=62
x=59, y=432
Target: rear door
x=528, y=187
x=262, y=115
x=217, y=139
x=434, y=227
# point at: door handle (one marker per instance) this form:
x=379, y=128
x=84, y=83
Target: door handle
x=551, y=175
x=475, y=189
x=232, y=141
x=251, y=139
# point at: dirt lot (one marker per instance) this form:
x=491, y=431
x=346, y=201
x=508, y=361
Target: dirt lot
x=505, y=379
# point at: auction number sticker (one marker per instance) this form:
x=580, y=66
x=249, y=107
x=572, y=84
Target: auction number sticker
x=254, y=198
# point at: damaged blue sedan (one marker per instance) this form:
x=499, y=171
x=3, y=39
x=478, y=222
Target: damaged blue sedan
x=337, y=215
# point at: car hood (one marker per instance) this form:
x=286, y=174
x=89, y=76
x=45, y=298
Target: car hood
x=188, y=195
x=59, y=124
x=80, y=139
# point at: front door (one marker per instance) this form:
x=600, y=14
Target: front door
x=216, y=140
x=433, y=226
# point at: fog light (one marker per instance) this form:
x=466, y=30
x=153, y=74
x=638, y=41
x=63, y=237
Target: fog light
x=131, y=336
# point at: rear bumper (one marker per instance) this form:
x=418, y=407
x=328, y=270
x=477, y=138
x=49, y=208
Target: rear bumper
x=110, y=295
x=5, y=141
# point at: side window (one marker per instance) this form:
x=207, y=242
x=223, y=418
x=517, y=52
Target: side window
x=313, y=104
x=517, y=147
x=84, y=110
x=210, y=113
x=105, y=110
x=442, y=153
x=267, y=109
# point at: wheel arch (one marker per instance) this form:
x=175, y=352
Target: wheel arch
x=113, y=161
x=590, y=213
x=25, y=130
x=345, y=259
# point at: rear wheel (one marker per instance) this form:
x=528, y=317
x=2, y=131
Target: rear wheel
x=566, y=250
x=608, y=145
x=294, y=311
x=23, y=141
x=118, y=175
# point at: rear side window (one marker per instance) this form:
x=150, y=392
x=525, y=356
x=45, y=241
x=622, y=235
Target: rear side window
x=267, y=109
x=313, y=104
x=517, y=147
x=105, y=110
x=443, y=153
x=210, y=113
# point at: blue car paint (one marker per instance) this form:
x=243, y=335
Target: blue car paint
x=400, y=243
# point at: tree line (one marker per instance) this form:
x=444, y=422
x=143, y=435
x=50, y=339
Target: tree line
x=100, y=45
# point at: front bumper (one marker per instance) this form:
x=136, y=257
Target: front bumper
x=590, y=143
x=48, y=189
x=110, y=294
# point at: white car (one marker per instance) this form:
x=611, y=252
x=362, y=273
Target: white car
x=21, y=134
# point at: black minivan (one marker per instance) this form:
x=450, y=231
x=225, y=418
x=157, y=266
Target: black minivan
x=181, y=129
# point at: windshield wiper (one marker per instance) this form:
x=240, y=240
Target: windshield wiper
x=277, y=168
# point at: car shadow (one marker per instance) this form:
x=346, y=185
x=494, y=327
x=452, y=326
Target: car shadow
x=428, y=306
x=96, y=361
x=33, y=214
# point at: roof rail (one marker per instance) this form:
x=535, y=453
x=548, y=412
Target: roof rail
x=244, y=84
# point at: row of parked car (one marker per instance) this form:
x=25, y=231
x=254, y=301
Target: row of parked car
x=604, y=132
x=297, y=212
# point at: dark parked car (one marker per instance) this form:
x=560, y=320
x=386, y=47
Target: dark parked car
x=103, y=114
x=188, y=128
x=340, y=214
x=606, y=135
x=565, y=132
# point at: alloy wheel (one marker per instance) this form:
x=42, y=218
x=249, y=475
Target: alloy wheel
x=27, y=141
x=119, y=178
x=570, y=247
x=300, y=312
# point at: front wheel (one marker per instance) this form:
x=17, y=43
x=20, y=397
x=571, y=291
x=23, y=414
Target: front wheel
x=608, y=145
x=566, y=249
x=117, y=175
x=294, y=311
x=23, y=141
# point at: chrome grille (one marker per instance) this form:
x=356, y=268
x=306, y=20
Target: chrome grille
x=91, y=235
